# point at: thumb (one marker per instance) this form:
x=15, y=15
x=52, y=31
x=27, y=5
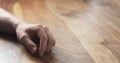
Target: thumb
x=31, y=46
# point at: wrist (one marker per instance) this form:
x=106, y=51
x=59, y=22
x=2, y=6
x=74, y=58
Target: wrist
x=16, y=22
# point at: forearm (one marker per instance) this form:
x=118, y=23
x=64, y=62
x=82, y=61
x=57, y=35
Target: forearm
x=8, y=22
x=26, y=33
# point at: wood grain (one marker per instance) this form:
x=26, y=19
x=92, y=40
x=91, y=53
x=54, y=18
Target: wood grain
x=86, y=31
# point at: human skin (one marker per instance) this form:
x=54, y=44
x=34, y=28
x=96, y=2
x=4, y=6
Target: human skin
x=27, y=32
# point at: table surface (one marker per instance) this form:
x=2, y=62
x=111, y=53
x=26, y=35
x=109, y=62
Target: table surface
x=86, y=31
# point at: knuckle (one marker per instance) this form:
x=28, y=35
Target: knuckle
x=39, y=26
x=46, y=28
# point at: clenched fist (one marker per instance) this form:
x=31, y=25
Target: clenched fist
x=27, y=34
x=35, y=37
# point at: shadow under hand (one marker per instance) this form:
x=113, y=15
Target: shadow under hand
x=49, y=57
x=25, y=55
x=10, y=37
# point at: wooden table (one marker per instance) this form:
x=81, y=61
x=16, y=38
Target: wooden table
x=86, y=31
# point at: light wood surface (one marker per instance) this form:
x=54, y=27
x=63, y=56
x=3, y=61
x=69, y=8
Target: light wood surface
x=86, y=31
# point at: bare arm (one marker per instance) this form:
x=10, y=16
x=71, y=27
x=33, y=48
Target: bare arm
x=26, y=32
x=8, y=22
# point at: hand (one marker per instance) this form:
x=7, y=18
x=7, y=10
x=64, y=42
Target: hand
x=27, y=33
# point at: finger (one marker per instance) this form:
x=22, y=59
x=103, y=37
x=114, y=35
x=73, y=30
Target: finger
x=51, y=41
x=43, y=40
x=29, y=44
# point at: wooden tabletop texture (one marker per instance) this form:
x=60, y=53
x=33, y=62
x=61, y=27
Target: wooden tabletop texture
x=86, y=31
